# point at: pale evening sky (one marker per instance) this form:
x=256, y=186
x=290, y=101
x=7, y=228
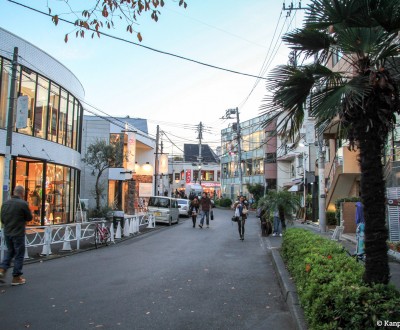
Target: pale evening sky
x=122, y=79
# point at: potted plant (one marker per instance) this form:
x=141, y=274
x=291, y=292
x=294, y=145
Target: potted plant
x=284, y=201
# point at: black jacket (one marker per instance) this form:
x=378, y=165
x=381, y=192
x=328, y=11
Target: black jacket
x=14, y=214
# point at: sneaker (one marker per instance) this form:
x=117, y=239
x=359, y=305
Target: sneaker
x=2, y=275
x=274, y=234
x=280, y=235
x=200, y=225
x=18, y=280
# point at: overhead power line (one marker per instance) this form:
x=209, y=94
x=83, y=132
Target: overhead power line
x=143, y=46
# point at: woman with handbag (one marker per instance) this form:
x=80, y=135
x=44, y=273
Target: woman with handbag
x=241, y=210
x=194, y=210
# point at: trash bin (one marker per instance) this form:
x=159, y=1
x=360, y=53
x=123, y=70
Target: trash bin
x=118, y=216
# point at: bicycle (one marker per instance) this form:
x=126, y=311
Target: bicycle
x=357, y=257
x=102, y=235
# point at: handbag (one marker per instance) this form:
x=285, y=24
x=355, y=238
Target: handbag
x=245, y=211
x=235, y=218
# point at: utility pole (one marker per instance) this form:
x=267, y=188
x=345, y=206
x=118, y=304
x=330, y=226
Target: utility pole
x=200, y=158
x=156, y=162
x=292, y=7
x=10, y=122
x=321, y=179
x=239, y=153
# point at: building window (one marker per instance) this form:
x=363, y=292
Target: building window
x=54, y=106
x=177, y=176
x=270, y=157
x=207, y=175
x=28, y=88
x=50, y=190
x=42, y=102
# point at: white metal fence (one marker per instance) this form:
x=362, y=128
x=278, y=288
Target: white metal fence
x=47, y=237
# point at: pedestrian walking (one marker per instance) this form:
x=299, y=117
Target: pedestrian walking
x=205, y=207
x=277, y=224
x=241, y=210
x=15, y=213
x=194, y=210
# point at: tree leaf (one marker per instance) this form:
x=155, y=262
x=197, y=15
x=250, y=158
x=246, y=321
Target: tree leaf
x=139, y=36
x=55, y=19
x=66, y=38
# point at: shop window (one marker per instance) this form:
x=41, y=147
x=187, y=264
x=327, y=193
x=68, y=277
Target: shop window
x=70, y=120
x=54, y=105
x=5, y=70
x=41, y=107
x=28, y=88
x=62, y=119
x=75, y=125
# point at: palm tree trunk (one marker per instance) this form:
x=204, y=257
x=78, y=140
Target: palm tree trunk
x=373, y=198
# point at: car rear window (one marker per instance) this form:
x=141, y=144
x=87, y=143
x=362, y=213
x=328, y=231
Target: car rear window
x=182, y=202
x=159, y=202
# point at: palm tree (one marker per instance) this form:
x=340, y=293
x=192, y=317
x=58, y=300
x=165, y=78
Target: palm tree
x=364, y=95
x=284, y=201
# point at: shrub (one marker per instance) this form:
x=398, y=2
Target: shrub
x=225, y=202
x=331, y=218
x=330, y=287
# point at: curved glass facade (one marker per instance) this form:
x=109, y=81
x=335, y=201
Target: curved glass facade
x=47, y=138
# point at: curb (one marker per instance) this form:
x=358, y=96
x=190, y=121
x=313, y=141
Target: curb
x=289, y=291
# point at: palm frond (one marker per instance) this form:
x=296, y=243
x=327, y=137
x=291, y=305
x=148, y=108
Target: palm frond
x=308, y=41
x=386, y=13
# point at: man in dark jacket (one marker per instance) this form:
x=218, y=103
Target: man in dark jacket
x=205, y=207
x=14, y=214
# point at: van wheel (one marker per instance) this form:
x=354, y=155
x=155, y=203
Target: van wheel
x=170, y=221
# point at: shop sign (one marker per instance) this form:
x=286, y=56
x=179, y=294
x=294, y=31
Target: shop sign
x=145, y=189
x=210, y=184
x=163, y=164
x=131, y=151
x=188, y=176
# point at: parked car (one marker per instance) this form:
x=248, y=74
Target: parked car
x=183, y=205
x=165, y=209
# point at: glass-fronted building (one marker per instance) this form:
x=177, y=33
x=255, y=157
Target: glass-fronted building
x=46, y=138
x=252, y=156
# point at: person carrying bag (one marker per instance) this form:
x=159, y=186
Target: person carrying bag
x=241, y=211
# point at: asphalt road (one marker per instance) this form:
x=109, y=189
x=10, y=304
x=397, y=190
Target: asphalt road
x=177, y=277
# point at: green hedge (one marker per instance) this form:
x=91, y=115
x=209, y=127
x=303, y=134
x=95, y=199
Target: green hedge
x=331, y=218
x=224, y=202
x=330, y=287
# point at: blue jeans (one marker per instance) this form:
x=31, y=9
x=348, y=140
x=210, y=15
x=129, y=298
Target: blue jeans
x=277, y=222
x=205, y=214
x=16, y=250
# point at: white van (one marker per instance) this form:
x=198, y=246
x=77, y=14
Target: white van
x=165, y=209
